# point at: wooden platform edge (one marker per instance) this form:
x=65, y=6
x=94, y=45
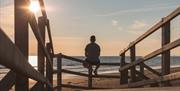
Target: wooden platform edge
x=169, y=77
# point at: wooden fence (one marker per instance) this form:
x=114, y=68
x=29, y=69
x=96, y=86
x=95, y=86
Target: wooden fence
x=15, y=55
x=164, y=51
x=59, y=72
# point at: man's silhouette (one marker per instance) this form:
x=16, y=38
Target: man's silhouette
x=92, y=53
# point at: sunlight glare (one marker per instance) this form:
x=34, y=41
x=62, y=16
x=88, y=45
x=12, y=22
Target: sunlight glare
x=34, y=6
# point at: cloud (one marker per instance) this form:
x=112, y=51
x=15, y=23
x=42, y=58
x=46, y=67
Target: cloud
x=135, y=27
x=137, y=10
x=114, y=22
x=116, y=25
x=138, y=25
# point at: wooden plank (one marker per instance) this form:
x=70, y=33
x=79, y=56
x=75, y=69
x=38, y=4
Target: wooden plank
x=169, y=46
x=165, y=55
x=106, y=76
x=81, y=61
x=133, y=68
x=71, y=58
x=73, y=86
x=41, y=55
x=90, y=85
x=123, y=74
x=141, y=66
x=154, y=28
x=8, y=81
x=141, y=75
x=173, y=88
x=34, y=26
x=78, y=87
x=35, y=29
x=37, y=87
x=49, y=70
x=169, y=77
x=49, y=35
x=152, y=70
x=59, y=73
x=12, y=58
x=43, y=9
x=21, y=40
x=110, y=64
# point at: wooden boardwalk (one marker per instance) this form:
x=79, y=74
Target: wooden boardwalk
x=143, y=89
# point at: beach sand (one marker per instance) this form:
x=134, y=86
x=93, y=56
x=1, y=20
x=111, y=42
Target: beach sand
x=111, y=83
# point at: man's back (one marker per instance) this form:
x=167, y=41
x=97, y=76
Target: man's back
x=92, y=50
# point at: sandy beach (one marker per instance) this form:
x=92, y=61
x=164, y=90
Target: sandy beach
x=111, y=83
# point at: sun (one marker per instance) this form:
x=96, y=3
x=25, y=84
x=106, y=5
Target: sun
x=34, y=6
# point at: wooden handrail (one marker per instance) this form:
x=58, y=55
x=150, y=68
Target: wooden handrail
x=81, y=61
x=43, y=9
x=12, y=58
x=153, y=29
x=72, y=58
x=169, y=46
x=49, y=35
x=15, y=60
x=35, y=29
x=150, y=69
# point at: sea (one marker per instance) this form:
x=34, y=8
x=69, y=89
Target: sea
x=155, y=63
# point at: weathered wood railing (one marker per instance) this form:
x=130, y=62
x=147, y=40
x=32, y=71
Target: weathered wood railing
x=59, y=72
x=164, y=51
x=15, y=56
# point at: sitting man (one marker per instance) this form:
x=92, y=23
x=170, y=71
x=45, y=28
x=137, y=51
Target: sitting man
x=92, y=53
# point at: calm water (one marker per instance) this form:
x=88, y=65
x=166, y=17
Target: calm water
x=155, y=63
x=75, y=66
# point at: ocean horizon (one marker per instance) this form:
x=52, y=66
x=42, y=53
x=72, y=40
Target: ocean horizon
x=155, y=63
x=75, y=66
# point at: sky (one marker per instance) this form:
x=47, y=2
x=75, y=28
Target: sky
x=115, y=23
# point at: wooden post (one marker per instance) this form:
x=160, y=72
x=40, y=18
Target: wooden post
x=133, y=69
x=21, y=39
x=166, y=55
x=141, y=68
x=123, y=74
x=59, y=73
x=41, y=54
x=90, y=78
x=49, y=70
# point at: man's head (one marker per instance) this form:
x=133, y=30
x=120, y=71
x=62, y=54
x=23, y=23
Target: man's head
x=93, y=39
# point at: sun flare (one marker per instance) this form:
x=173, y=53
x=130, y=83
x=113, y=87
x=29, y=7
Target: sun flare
x=34, y=6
